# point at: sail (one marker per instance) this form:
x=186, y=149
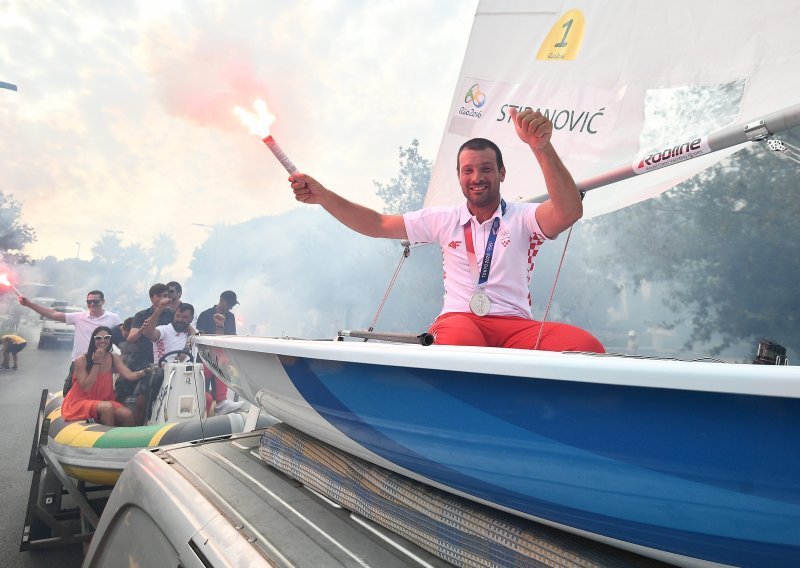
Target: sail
x=622, y=81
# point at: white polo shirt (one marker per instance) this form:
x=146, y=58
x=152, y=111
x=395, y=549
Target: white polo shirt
x=169, y=340
x=85, y=324
x=517, y=244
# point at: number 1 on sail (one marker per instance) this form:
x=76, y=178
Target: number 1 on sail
x=555, y=46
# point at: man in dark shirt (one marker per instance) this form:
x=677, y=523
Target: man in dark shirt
x=143, y=354
x=218, y=320
x=175, y=292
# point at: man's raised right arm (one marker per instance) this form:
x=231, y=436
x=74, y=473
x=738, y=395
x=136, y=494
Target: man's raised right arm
x=49, y=313
x=357, y=217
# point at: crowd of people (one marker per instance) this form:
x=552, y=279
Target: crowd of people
x=114, y=360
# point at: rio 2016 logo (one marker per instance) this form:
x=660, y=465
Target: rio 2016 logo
x=475, y=96
x=563, y=42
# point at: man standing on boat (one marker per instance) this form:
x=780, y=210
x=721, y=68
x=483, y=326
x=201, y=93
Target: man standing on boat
x=175, y=291
x=139, y=348
x=488, y=245
x=219, y=320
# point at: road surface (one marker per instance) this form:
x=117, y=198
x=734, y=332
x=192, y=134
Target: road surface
x=22, y=390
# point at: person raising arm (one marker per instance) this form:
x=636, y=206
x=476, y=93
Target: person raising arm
x=357, y=217
x=92, y=394
x=564, y=207
x=44, y=311
x=487, y=300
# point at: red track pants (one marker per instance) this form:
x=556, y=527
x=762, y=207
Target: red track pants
x=511, y=331
x=220, y=388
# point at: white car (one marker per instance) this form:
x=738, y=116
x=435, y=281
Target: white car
x=57, y=332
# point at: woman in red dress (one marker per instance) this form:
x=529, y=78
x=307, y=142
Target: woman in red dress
x=92, y=392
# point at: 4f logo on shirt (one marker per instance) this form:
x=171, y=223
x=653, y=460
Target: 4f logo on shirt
x=454, y=244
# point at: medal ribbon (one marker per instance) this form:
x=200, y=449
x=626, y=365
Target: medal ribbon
x=486, y=264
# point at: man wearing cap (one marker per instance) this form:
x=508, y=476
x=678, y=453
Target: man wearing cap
x=218, y=320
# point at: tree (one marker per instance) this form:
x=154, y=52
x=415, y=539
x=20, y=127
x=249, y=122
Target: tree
x=14, y=234
x=106, y=250
x=417, y=295
x=407, y=191
x=121, y=272
x=726, y=244
x=586, y=290
x=162, y=254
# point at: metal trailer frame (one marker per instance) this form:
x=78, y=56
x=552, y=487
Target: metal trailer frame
x=60, y=511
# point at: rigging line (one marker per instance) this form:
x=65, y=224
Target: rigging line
x=403, y=257
x=553, y=290
x=200, y=386
x=195, y=360
x=555, y=281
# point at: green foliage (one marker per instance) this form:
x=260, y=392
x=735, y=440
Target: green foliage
x=416, y=296
x=162, y=254
x=586, y=289
x=106, y=250
x=725, y=244
x=123, y=272
x=407, y=191
x=14, y=234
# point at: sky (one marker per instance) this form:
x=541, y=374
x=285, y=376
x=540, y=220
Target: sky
x=123, y=120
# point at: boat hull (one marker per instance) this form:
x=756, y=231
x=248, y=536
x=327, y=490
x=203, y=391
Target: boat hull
x=678, y=460
x=98, y=454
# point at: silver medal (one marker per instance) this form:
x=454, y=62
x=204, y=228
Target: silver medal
x=480, y=304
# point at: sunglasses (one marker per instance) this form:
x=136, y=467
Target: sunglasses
x=172, y=291
x=93, y=302
x=102, y=338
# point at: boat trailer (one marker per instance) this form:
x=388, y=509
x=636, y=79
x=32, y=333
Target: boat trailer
x=61, y=510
